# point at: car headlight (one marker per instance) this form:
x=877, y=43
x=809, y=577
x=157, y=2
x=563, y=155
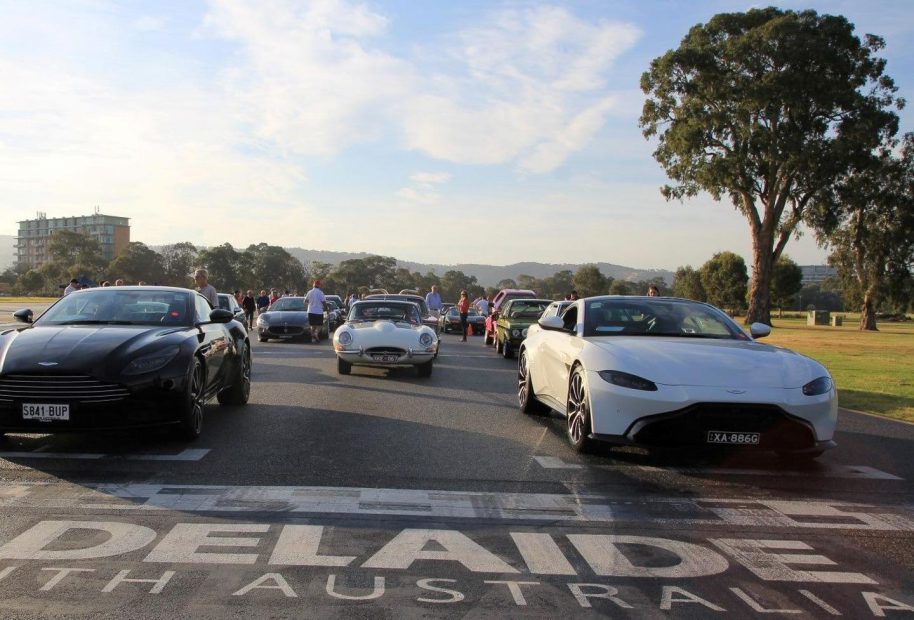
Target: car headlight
x=151, y=363
x=623, y=379
x=345, y=338
x=515, y=333
x=523, y=332
x=426, y=340
x=822, y=385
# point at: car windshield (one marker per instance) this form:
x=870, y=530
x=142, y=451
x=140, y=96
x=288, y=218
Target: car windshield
x=419, y=301
x=522, y=309
x=288, y=304
x=224, y=302
x=633, y=317
x=117, y=306
x=385, y=311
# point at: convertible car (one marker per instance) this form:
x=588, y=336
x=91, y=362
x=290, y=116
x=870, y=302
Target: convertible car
x=121, y=357
x=670, y=372
x=385, y=333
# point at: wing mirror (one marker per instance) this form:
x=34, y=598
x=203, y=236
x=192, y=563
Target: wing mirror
x=219, y=315
x=552, y=323
x=759, y=330
x=23, y=316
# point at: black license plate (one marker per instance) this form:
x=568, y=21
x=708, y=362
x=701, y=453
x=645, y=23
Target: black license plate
x=734, y=438
x=378, y=357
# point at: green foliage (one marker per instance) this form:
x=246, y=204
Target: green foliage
x=178, y=261
x=724, y=280
x=454, y=281
x=74, y=254
x=589, y=281
x=786, y=282
x=621, y=287
x=136, y=263
x=225, y=266
x=687, y=284
x=767, y=107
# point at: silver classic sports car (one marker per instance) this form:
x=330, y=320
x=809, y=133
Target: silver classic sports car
x=385, y=333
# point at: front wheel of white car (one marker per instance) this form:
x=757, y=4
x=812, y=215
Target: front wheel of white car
x=342, y=366
x=526, y=399
x=424, y=370
x=577, y=412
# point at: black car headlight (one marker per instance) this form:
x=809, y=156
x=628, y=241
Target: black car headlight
x=822, y=385
x=623, y=379
x=151, y=363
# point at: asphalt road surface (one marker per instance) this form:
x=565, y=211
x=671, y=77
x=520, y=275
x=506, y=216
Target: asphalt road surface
x=382, y=495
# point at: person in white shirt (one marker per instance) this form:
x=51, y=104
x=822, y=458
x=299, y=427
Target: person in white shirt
x=72, y=286
x=315, y=298
x=201, y=278
x=482, y=304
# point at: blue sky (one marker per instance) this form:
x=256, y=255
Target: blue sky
x=433, y=131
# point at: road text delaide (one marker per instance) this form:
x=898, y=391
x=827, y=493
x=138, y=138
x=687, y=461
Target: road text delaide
x=540, y=554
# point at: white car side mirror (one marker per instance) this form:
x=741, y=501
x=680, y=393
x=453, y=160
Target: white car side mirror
x=759, y=330
x=554, y=323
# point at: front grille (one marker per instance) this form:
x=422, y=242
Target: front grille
x=385, y=351
x=74, y=388
x=286, y=329
x=778, y=429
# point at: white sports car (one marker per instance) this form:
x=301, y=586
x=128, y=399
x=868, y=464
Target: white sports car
x=385, y=333
x=660, y=371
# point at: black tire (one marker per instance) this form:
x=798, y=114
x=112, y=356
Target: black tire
x=506, y=351
x=526, y=398
x=239, y=391
x=577, y=413
x=190, y=414
x=486, y=339
x=262, y=338
x=424, y=370
x=343, y=367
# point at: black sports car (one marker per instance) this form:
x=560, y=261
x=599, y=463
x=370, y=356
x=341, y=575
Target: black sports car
x=116, y=357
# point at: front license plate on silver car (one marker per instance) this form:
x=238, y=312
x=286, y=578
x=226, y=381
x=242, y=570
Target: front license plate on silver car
x=378, y=357
x=734, y=438
x=46, y=412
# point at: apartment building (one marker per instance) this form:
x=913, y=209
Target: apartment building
x=111, y=232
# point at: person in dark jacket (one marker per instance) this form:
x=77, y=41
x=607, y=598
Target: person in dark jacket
x=249, y=305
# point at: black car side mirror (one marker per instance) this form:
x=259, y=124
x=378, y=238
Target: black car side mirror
x=219, y=315
x=23, y=316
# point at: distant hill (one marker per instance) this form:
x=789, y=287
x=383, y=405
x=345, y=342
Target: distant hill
x=7, y=251
x=489, y=275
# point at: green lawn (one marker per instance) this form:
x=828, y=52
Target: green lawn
x=874, y=370
x=8, y=301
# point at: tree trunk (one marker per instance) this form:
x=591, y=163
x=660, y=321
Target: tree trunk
x=760, y=291
x=868, y=313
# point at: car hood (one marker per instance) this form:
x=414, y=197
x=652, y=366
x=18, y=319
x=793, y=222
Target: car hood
x=520, y=322
x=712, y=363
x=81, y=349
x=381, y=326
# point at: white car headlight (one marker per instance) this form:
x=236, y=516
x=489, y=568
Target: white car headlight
x=426, y=340
x=345, y=338
x=151, y=363
x=524, y=332
x=515, y=333
x=822, y=385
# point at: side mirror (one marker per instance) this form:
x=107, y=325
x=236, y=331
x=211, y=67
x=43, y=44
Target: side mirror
x=23, y=316
x=552, y=323
x=759, y=330
x=219, y=315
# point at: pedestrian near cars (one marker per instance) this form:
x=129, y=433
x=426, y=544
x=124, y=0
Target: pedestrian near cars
x=315, y=298
x=249, y=305
x=274, y=295
x=201, y=279
x=482, y=304
x=433, y=300
x=263, y=302
x=653, y=291
x=72, y=286
x=463, y=307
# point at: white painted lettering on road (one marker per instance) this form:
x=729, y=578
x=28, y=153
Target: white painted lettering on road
x=376, y=592
x=279, y=583
x=159, y=583
x=753, y=555
x=542, y=555
x=297, y=546
x=409, y=546
x=606, y=559
x=675, y=594
x=596, y=590
x=756, y=607
x=181, y=544
x=879, y=603
x=514, y=587
x=61, y=574
x=30, y=545
x=426, y=584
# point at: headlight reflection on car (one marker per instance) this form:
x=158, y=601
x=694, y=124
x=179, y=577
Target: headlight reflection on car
x=345, y=338
x=822, y=385
x=623, y=379
x=426, y=340
x=151, y=363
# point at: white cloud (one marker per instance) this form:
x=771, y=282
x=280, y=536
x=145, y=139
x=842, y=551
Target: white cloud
x=423, y=188
x=149, y=23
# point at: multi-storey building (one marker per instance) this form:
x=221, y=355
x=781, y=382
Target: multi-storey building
x=112, y=234
x=817, y=273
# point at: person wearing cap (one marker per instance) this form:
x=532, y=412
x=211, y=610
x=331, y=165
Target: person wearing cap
x=201, y=278
x=72, y=286
x=315, y=298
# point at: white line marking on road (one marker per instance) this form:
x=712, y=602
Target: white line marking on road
x=822, y=471
x=541, y=507
x=190, y=454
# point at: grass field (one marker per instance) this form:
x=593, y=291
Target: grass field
x=12, y=301
x=874, y=371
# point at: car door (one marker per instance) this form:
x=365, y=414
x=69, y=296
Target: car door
x=559, y=350
x=214, y=343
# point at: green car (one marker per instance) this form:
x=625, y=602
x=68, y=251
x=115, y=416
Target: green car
x=513, y=320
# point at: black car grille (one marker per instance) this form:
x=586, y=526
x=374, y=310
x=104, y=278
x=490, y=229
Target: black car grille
x=286, y=329
x=74, y=388
x=385, y=351
x=778, y=429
